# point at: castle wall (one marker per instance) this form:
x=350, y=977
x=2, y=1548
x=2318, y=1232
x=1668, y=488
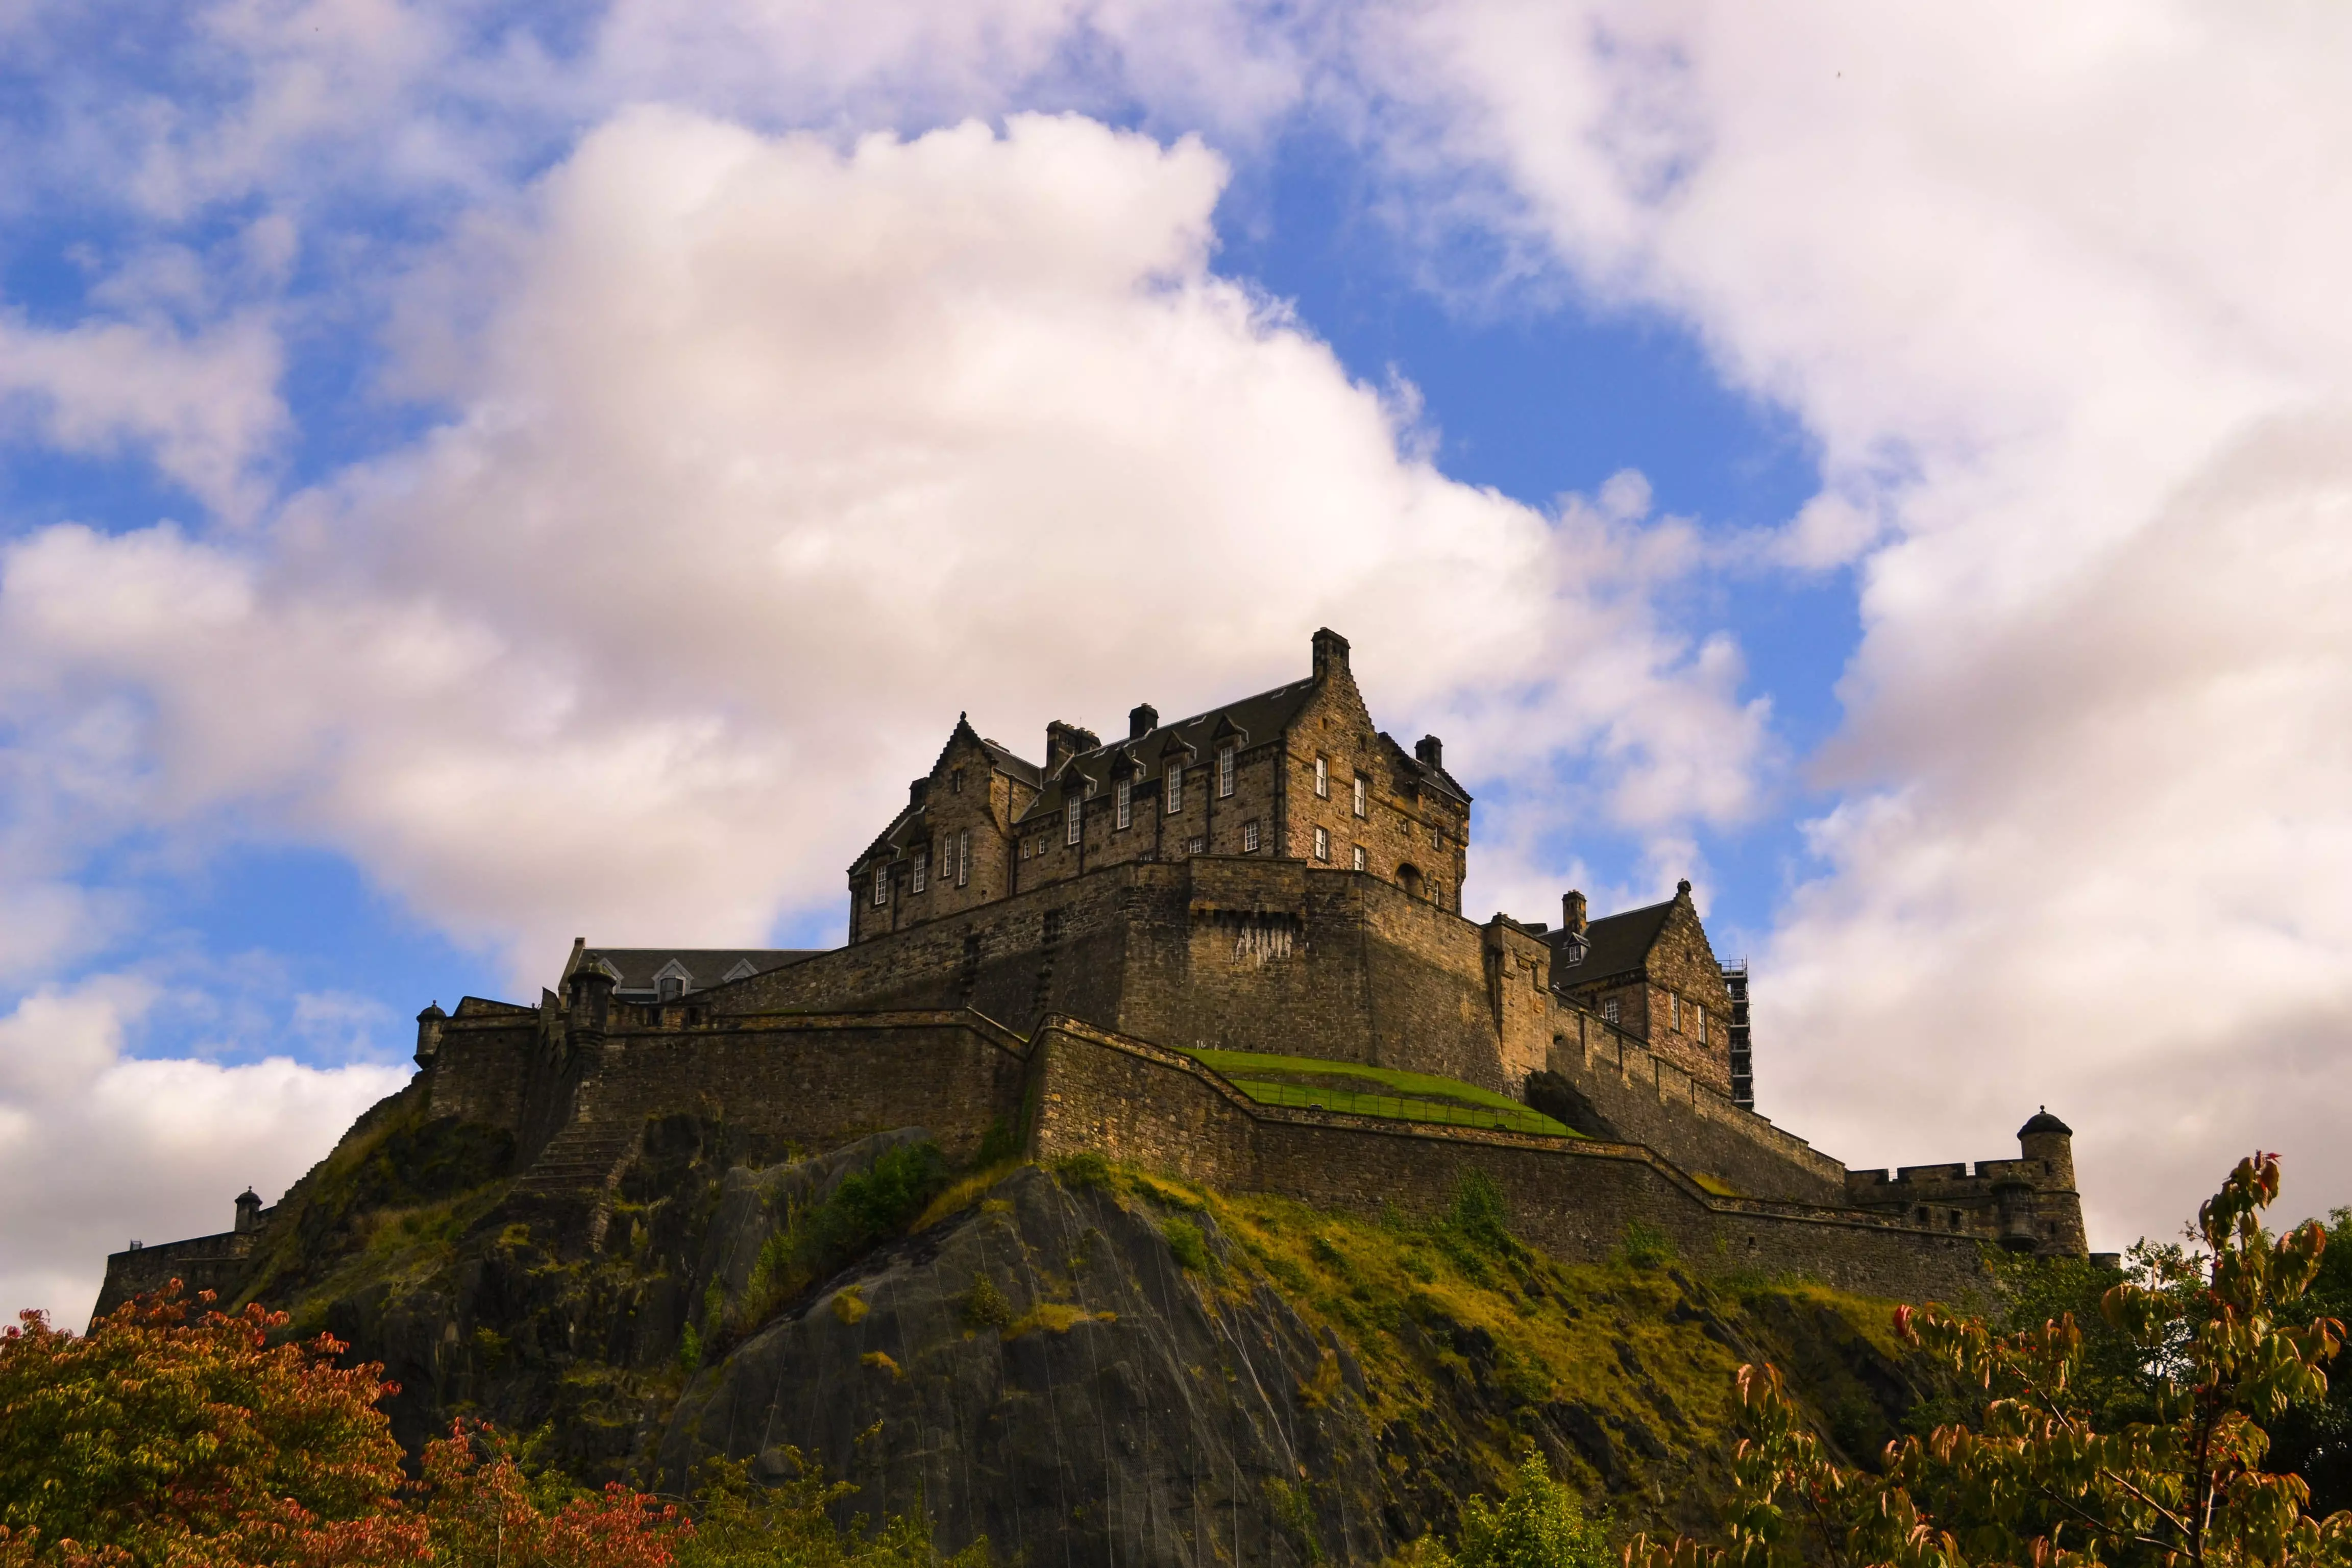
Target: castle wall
x=1131, y=1100
x=1648, y=1099
x=486, y=1064
x=215, y=1263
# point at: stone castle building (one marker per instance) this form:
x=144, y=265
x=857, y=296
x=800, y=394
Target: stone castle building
x=1039, y=951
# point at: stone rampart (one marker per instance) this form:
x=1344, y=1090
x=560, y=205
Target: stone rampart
x=215, y=1263
x=1576, y=1199
x=1646, y=1098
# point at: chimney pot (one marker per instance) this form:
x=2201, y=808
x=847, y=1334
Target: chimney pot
x=1141, y=720
x=1431, y=750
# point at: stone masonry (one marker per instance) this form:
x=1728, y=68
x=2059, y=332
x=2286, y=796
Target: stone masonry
x=1036, y=948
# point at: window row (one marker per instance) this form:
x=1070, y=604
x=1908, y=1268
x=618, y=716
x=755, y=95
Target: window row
x=1360, y=802
x=1036, y=846
x=955, y=860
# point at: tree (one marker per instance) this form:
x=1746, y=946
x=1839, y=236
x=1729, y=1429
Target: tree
x=166, y=1438
x=2034, y=1478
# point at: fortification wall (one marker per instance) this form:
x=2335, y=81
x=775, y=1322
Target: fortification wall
x=1647, y=1098
x=1131, y=1101
x=485, y=1066
x=215, y=1263
x=1217, y=952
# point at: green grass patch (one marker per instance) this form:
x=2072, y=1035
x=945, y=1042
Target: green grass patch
x=1397, y=1096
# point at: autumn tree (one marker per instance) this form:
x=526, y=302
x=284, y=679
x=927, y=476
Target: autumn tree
x=170, y=1436
x=2037, y=1478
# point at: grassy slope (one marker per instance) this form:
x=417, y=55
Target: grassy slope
x=1373, y=1091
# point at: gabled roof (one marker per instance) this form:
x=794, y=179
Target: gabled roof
x=908, y=826
x=1616, y=944
x=1413, y=767
x=1257, y=720
x=635, y=967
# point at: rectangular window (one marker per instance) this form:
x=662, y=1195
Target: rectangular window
x=881, y=884
x=964, y=857
x=1070, y=818
x=922, y=866
x=1674, y=1012
x=1323, y=777
x=1609, y=1012
x=1361, y=863
x=1224, y=771
x=1322, y=844
x=1172, y=785
x=1196, y=844
x=1024, y=850
x=1125, y=792
x=1701, y=1028
x=1249, y=838
x=1363, y=796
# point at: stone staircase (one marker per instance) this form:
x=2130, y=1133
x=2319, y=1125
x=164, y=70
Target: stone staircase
x=566, y=1194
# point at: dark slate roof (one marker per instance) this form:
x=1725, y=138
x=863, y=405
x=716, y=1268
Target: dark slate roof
x=1413, y=767
x=705, y=967
x=1253, y=720
x=2042, y=1121
x=1619, y=942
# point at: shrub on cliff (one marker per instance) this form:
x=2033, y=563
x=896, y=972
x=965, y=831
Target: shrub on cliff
x=2039, y=1476
x=168, y=1436
x=1538, y=1523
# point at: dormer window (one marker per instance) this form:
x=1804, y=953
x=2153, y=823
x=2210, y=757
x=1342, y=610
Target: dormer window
x=1224, y=771
x=672, y=988
x=1172, y=785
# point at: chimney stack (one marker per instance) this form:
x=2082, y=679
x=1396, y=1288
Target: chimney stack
x=1571, y=913
x=1141, y=720
x=1431, y=750
x=1330, y=652
x=1063, y=741
x=917, y=790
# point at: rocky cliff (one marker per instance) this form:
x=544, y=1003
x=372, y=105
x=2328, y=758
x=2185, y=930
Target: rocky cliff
x=1085, y=1365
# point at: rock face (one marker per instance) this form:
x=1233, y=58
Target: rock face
x=1044, y=1371
x=1087, y=1365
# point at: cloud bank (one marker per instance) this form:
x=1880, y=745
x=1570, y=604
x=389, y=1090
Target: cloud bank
x=2059, y=298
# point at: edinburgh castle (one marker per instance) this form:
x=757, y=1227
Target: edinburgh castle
x=1231, y=948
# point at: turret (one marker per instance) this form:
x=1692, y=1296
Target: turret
x=2052, y=1141
x=248, y=1210
x=428, y=1033
x=592, y=996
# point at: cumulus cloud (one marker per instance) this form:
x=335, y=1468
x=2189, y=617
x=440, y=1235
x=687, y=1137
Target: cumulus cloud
x=769, y=456
x=100, y=1146
x=203, y=405
x=2059, y=298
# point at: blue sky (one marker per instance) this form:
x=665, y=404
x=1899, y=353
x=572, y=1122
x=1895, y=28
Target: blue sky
x=469, y=479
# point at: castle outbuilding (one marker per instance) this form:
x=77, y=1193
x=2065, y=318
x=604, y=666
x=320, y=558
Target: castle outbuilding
x=1110, y=950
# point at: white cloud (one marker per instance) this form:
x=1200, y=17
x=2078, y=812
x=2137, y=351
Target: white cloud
x=100, y=1146
x=2060, y=296
x=203, y=404
x=770, y=455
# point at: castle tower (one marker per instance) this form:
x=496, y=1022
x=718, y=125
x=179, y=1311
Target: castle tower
x=2050, y=1142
